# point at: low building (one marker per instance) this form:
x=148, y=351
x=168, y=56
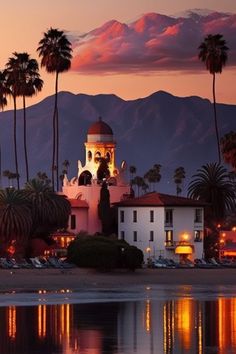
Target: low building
x=163, y=225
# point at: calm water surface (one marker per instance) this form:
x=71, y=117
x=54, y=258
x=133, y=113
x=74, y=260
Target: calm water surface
x=151, y=320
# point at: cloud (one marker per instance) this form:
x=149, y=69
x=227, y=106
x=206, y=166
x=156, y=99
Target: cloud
x=152, y=43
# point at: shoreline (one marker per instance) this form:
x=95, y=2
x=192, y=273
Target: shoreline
x=27, y=280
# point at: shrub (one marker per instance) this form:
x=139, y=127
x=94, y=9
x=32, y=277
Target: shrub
x=132, y=257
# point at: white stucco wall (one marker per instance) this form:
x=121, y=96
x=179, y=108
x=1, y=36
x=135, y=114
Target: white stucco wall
x=183, y=223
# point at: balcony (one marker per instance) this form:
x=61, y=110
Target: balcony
x=170, y=245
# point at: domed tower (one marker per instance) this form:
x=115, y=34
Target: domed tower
x=99, y=144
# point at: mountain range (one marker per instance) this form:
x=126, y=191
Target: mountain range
x=161, y=128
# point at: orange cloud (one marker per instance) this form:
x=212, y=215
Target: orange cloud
x=152, y=43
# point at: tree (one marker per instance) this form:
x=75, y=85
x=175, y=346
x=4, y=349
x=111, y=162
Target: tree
x=179, y=175
x=211, y=184
x=29, y=84
x=4, y=91
x=15, y=216
x=213, y=52
x=132, y=171
x=13, y=74
x=228, y=148
x=153, y=175
x=50, y=211
x=103, y=169
x=139, y=182
x=55, y=51
x=104, y=209
x=66, y=165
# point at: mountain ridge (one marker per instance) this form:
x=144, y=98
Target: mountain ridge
x=159, y=128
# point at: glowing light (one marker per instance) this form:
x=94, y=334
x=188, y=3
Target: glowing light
x=183, y=249
x=12, y=322
x=234, y=228
x=185, y=237
x=148, y=316
x=148, y=249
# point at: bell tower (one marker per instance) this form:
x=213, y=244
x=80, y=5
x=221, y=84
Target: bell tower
x=100, y=144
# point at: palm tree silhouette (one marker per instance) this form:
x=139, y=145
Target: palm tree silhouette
x=213, y=52
x=4, y=91
x=29, y=83
x=211, y=184
x=55, y=51
x=228, y=148
x=179, y=175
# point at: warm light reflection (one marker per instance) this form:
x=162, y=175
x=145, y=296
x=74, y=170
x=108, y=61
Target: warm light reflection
x=148, y=316
x=12, y=322
x=184, y=316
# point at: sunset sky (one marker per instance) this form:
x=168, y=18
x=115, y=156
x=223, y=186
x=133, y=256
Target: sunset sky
x=121, y=57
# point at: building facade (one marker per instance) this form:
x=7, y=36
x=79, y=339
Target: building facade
x=83, y=190
x=163, y=225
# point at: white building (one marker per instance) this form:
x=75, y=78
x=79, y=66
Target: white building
x=163, y=225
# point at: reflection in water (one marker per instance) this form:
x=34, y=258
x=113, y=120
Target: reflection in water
x=174, y=326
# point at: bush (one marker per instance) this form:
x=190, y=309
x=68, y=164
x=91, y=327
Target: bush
x=132, y=257
x=104, y=253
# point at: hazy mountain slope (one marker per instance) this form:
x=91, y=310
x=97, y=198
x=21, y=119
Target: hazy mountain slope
x=160, y=128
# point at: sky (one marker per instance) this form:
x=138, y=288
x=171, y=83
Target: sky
x=132, y=57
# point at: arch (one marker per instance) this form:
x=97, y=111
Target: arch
x=85, y=178
x=90, y=155
x=97, y=156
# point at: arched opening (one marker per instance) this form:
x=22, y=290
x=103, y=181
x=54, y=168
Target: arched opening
x=85, y=178
x=90, y=155
x=108, y=157
x=97, y=156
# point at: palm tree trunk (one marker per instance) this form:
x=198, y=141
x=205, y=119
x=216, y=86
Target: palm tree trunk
x=57, y=149
x=15, y=144
x=54, y=132
x=215, y=119
x=25, y=143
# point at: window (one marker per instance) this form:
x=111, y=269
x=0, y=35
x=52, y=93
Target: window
x=198, y=215
x=169, y=217
x=122, y=216
x=151, y=215
x=134, y=215
x=72, y=222
x=122, y=235
x=135, y=236
x=151, y=236
x=89, y=155
x=197, y=236
x=169, y=238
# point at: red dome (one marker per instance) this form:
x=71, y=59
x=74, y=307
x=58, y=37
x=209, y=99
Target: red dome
x=100, y=128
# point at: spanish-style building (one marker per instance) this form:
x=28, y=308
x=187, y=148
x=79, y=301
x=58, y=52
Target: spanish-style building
x=163, y=225
x=83, y=190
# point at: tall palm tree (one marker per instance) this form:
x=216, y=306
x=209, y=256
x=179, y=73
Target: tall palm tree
x=4, y=91
x=55, y=51
x=15, y=216
x=28, y=85
x=213, y=52
x=179, y=175
x=228, y=148
x=211, y=184
x=132, y=171
x=13, y=79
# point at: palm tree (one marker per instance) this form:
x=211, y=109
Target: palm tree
x=228, y=148
x=213, y=52
x=211, y=184
x=49, y=210
x=15, y=216
x=66, y=165
x=132, y=171
x=55, y=51
x=28, y=85
x=4, y=91
x=179, y=175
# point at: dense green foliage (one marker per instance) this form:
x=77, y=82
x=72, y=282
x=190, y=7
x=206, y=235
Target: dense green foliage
x=104, y=253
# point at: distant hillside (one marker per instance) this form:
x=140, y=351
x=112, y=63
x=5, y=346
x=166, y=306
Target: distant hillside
x=160, y=128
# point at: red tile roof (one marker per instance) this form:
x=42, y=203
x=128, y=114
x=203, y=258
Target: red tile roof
x=100, y=127
x=159, y=199
x=78, y=203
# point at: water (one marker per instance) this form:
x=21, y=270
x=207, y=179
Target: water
x=151, y=320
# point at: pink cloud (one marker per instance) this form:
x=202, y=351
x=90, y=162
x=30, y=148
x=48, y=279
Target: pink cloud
x=152, y=43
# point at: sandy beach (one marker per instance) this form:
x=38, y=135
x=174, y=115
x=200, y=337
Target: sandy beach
x=75, y=279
